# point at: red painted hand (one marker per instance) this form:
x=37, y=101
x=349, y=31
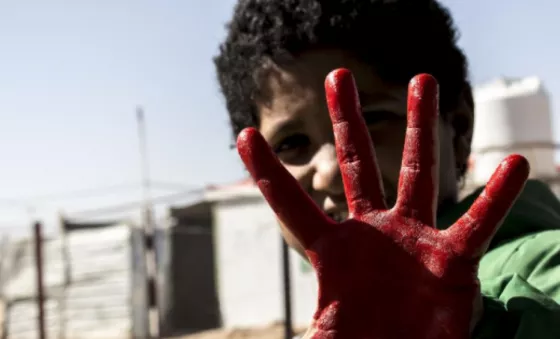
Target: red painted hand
x=387, y=273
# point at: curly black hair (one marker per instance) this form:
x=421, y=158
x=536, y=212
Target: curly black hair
x=401, y=38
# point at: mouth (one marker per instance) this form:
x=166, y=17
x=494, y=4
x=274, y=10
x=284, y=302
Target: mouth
x=338, y=216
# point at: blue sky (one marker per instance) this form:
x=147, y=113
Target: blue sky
x=72, y=73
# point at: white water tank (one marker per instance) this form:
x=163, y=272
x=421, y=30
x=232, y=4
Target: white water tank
x=512, y=116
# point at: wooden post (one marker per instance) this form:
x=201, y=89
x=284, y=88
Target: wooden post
x=39, y=265
x=66, y=276
x=288, y=327
x=140, y=305
x=149, y=226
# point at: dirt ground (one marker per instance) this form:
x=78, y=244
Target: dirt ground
x=275, y=331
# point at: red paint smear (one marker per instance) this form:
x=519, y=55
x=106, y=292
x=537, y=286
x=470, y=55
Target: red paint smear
x=387, y=273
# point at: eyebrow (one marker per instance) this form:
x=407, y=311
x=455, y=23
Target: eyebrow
x=381, y=108
x=378, y=115
x=368, y=97
x=362, y=96
x=284, y=126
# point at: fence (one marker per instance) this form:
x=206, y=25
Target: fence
x=88, y=276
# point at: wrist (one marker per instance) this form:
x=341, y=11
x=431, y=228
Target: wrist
x=478, y=311
x=368, y=320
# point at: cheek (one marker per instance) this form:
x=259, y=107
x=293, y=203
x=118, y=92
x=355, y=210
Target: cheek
x=389, y=145
x=304, y=176
x=446, y=151
x=300, y=174
x=447, y=163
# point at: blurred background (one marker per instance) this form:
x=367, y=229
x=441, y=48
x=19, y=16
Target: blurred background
x=113, y=134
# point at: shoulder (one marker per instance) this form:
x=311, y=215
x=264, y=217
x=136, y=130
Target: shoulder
x=534, y=257
x=520, y=281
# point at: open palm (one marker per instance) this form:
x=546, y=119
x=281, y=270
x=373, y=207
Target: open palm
x=387, y=273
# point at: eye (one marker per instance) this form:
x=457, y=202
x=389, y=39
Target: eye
x=378, y=118
x=292, y=143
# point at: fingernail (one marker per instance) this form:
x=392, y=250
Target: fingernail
x=423, y=100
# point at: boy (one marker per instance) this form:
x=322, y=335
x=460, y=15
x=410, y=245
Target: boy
x=272, y=69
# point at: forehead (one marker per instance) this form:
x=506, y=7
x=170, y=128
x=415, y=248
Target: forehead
x=309, y=69
x=290, y=90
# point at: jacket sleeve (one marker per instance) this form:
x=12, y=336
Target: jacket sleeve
x=521, y=284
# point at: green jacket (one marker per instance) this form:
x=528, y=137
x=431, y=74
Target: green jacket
x=520, y=274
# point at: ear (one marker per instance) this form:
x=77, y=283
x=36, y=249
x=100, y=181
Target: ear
x=462, y=121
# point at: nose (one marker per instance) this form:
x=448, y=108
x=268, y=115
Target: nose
x=327, y=178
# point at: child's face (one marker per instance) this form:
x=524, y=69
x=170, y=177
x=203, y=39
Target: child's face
x=295, y=122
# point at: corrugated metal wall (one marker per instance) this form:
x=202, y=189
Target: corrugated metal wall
x=98, y=294
x=19, y=290
x=94, y=301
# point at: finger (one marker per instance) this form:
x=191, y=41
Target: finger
x=418, y=181
x=472, y=233
x=292, y=205
x=354, y=148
